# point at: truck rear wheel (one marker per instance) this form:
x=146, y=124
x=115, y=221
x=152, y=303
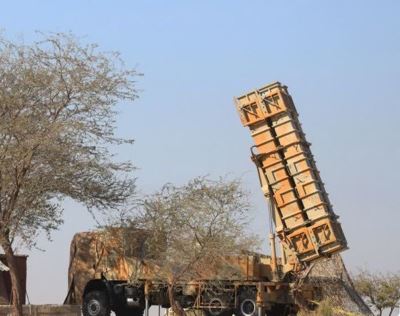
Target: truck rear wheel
x=95, y=303
x=247, y=303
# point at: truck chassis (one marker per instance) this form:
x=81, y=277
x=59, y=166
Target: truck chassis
x=222, y=298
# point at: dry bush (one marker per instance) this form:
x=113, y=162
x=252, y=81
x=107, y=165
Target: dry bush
x=327, y=308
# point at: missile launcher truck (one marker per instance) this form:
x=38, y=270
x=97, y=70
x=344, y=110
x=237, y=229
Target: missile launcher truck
x=302, y=218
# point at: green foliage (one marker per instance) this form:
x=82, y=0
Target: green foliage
x=381, y=291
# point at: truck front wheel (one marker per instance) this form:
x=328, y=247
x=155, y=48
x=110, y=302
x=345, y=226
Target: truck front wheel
x=95, y=303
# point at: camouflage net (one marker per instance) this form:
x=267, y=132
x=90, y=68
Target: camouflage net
x=335, y=284
x=97, y=253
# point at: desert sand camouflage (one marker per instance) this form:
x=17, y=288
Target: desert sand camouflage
x=117, y=254
x=97, y=253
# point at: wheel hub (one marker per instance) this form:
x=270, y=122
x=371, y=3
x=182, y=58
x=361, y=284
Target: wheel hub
x=94, y=307
x=215, y=306
x=248, y=307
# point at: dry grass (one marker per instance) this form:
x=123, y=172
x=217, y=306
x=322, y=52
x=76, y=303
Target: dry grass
x=327, y=308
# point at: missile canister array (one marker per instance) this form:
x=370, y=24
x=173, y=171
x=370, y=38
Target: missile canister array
x=302, y=213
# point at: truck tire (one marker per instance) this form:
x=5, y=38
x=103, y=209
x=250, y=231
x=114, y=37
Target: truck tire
x=247, y=303
x=95, y=303
x=216, y=308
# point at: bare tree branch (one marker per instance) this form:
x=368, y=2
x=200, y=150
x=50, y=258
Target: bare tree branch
x=57, y=119
x=193, y=230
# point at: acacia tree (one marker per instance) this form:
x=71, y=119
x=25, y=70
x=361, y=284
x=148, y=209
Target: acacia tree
x=381, y=291
x=57, y=117
x=194, y=229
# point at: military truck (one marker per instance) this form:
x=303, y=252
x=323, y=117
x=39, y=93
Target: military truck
x=102, y=264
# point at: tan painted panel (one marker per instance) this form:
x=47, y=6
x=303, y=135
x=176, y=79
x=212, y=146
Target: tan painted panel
x=312, y=200
x=318, y=211
x=251, y=111
x=271, y=160
x=259, y=105
x=289, y=138
x=328, y=234
x=294, y=150
x=301, y=241
x=264, y=141
x=276, y=173
x=304, y=217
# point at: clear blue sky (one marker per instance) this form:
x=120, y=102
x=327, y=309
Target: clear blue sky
x=340, y=59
